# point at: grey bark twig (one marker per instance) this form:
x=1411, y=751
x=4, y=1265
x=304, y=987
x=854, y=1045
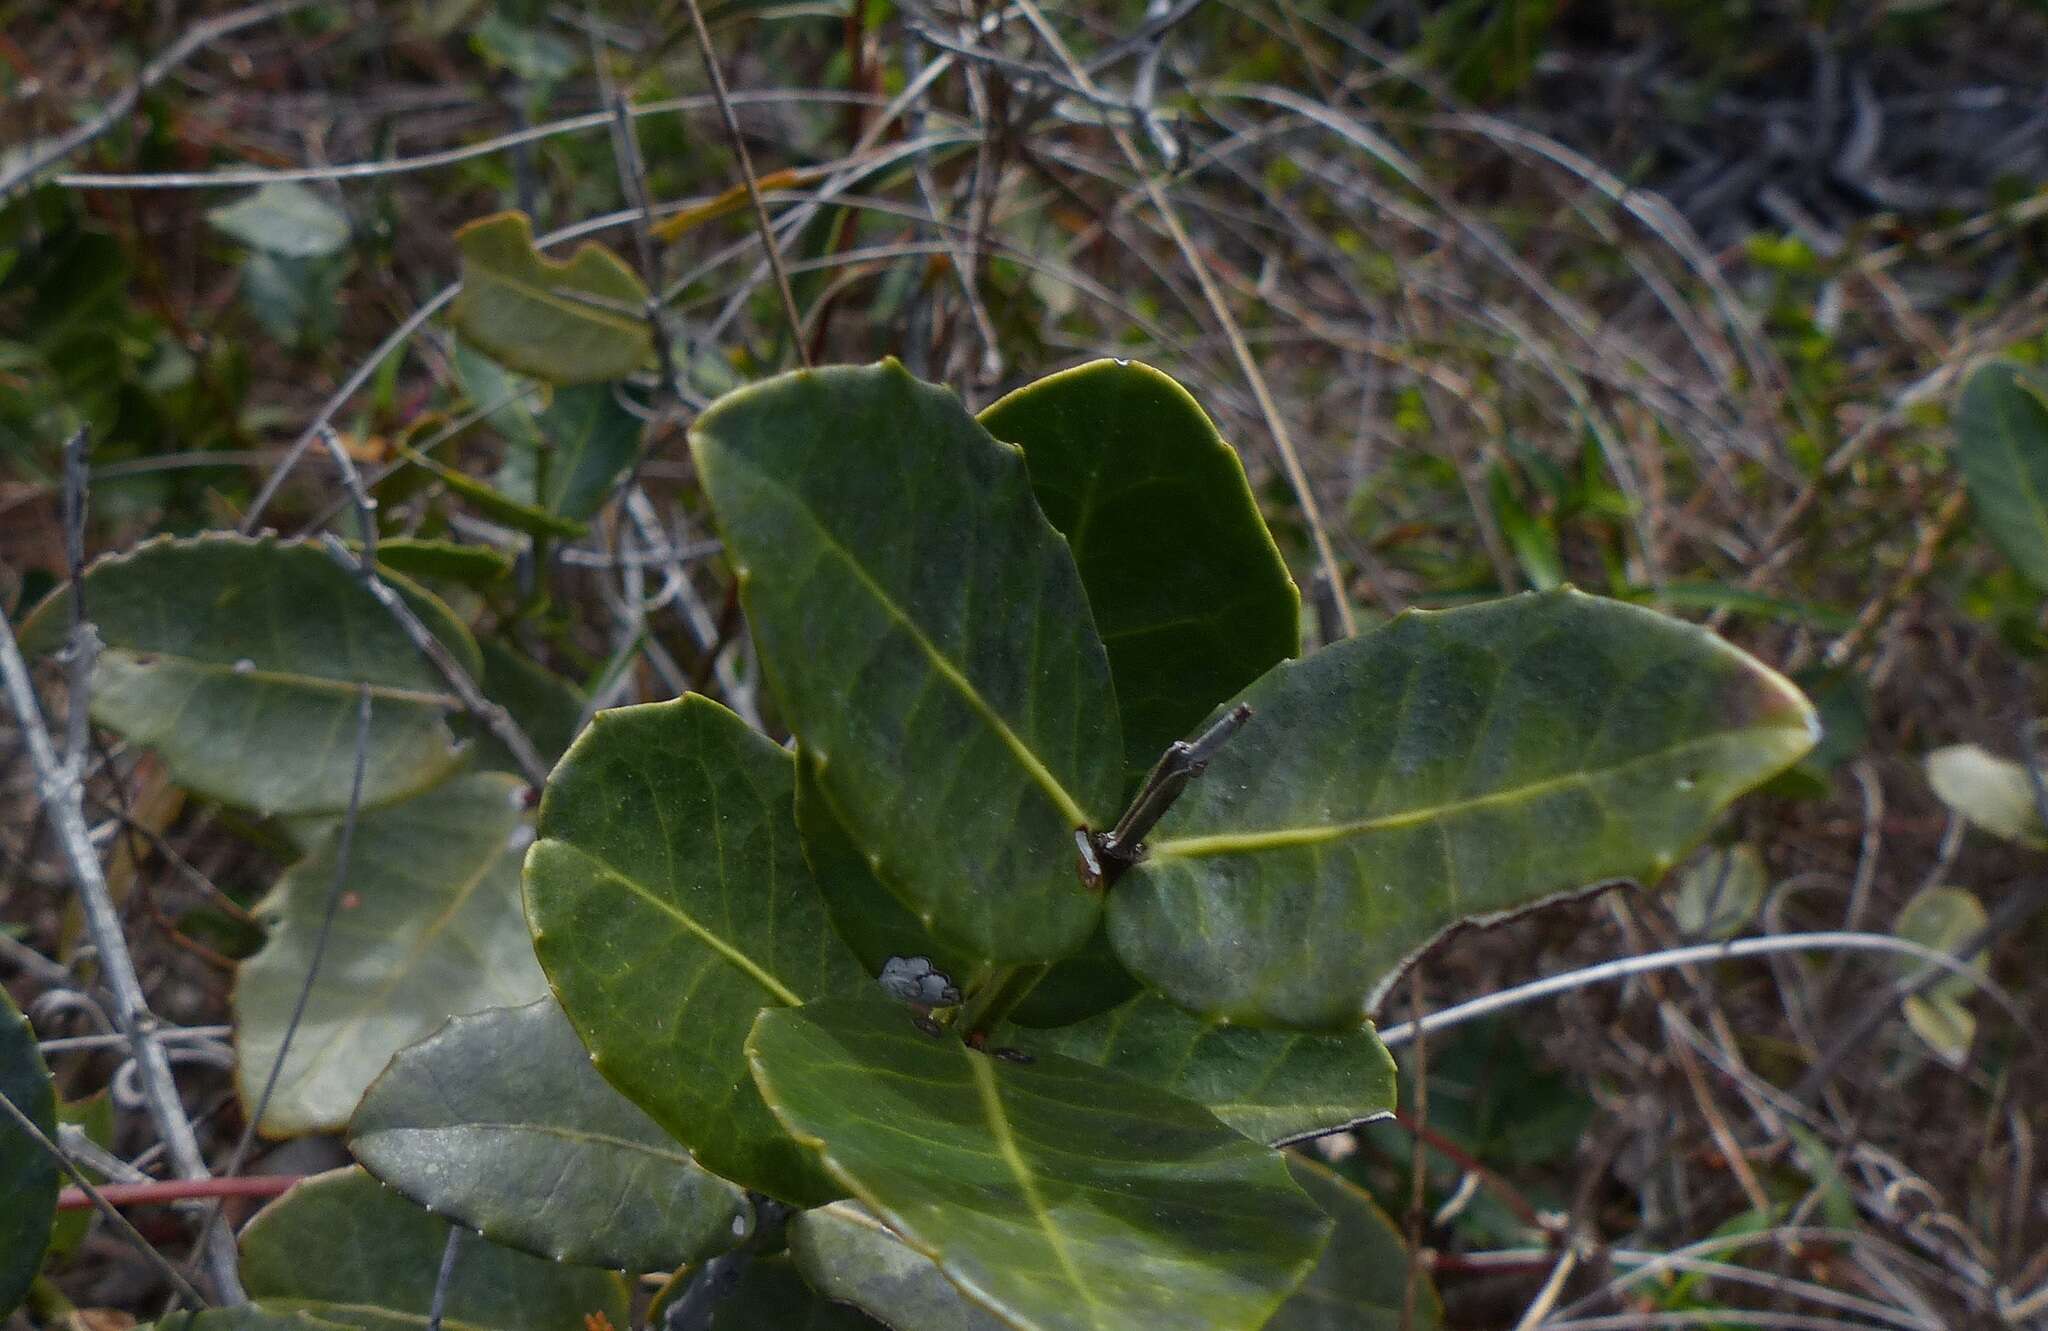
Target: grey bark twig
x=444, y=1277
x=746, y=165
x=1702, y=953
x=60, y=785
x=194, y=39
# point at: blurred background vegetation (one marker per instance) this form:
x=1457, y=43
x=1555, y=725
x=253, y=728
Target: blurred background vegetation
x=1671, y=300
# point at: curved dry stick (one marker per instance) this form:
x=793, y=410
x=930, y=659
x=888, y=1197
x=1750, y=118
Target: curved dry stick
x=1628, y=967
x=259, y=175
x=194, y=38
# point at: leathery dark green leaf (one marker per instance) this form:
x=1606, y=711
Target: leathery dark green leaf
x=927, y=634
x=2002, y=450
x=1189, y=592
x=1361, y=1282
x=31, y=1177
x=845, y=1253
x=1057, y=1194
x=877, y=926
x=429, y=927
x=498, y=1121
x=669, y=902
x=1272, y=1086
x=344, y=1248
x=1445, y=766
x=238, y=660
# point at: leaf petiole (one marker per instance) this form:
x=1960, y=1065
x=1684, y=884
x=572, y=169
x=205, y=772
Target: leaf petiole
x=995, y=995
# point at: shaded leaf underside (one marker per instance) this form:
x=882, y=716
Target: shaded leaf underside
x=428, y=927
x=573, y=321
x=499, y=1121
x=240, y=661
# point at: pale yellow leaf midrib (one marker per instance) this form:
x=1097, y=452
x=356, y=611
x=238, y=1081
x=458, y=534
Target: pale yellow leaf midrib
x=738, y=959
x=1227, y=843
x=1033, y=766
x=1020, y=1169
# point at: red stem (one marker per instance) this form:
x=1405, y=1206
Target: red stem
x=178, y=1190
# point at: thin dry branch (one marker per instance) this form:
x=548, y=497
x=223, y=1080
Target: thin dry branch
x=60, y=784
x=192, y=41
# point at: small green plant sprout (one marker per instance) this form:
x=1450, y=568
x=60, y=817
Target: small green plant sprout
x=987, y=1001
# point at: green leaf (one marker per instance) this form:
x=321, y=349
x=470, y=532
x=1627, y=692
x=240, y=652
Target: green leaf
x=1944, y=919
x=772, y=1296
x=510, y=402
x=529, y=52
x=346, y=1249
x=1493, y=1094
x=2002, y=450
x=1944, y=1025
x=428, y=927
x=284, y=218
x=1272, y=1086
x=546, y=706
x=927, y=634
x=1443, y=766
x=1187, y=587
x=846, y=1254
x=670, y=902
x=499, y=1122
x=1361, y=1282
x=595, y=440
x=238, y=660
x=585, y=434
x=28, y=1199
x=1057, y=1194
x=575, y=321
x=1534, y=543
x=94, y=1116
x=1720, y=892
x=1992, y=792
x=295, y=300
x=457, y=561
x=867, y=915
x=492, y=503
x=1837, y=1202
x=877, y=926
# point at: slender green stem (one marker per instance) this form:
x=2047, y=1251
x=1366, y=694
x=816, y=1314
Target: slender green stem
x=996, y=994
